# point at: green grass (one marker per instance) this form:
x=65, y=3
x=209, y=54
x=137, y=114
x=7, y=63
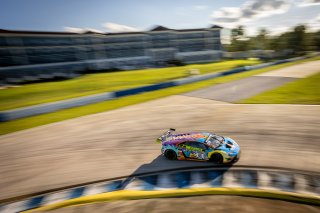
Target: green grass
x=38, y=93
x=303, y=91
x=25, y=123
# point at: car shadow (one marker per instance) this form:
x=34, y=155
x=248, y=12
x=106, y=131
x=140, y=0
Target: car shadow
x=164, y=173
x=161, y=164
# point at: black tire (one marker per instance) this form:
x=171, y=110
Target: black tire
x=216, y=158
x=170, y=154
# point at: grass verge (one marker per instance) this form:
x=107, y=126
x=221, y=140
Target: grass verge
x=25, y=123
x=303, y=91
x=89, y=84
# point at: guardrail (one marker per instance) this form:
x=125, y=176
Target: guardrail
x=289, y=185
x=81, y=101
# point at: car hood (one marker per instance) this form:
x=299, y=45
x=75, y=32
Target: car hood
x=224, y=147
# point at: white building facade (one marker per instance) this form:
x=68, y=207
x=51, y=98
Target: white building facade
x=90, y=51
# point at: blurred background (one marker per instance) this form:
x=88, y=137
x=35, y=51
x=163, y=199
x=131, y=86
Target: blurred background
x=87, y=86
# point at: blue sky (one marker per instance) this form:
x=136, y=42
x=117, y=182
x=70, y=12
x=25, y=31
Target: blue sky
x=130, y=15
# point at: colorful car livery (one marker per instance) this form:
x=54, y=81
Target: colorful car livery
x=199, y=146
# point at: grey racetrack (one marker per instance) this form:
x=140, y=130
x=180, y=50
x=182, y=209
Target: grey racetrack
x=241, y=89
x=122, y=141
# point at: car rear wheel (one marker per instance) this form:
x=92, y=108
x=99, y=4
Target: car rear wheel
x=216, y=158
x=170, y=154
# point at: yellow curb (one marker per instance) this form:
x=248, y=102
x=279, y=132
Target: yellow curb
x=136, y=195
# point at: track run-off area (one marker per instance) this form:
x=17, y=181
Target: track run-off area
x=122, y=142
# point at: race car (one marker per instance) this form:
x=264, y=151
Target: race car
x=199, y=146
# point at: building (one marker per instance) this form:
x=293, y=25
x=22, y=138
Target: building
x=94, y=51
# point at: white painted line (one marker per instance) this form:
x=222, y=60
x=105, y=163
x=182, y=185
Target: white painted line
x=301, y=184
x=55, y=197
x=94, y=189
x=265, y=181
x=14, y=207
x=199, y=181
x=229, y=180
x=134, y=184
x=165, y=182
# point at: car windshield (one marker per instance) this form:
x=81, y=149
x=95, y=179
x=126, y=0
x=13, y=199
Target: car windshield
x=214, y=141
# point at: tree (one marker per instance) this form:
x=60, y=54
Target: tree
x=312, y=41
x=238, y=39
x=316, y=40
x=237, y=33
x=262, y=39
x=297, y=38
x=281, y=42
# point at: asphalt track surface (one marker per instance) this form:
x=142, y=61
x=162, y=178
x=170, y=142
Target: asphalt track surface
x=122, y=142
x=241, y=89
x=247, y=87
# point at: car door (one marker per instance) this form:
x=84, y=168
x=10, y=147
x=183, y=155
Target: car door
x=184, y=149
x=194, y=150
x=200, y=150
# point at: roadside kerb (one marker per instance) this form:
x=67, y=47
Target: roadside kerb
x=289, y=185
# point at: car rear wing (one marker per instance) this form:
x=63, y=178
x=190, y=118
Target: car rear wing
x=165, y=135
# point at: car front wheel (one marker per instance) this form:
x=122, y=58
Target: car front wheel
x=170, y=154
x=216, y=158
